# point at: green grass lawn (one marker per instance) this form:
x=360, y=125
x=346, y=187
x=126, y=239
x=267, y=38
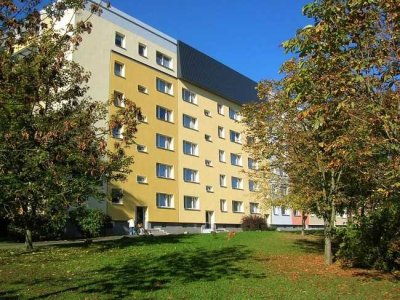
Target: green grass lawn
x=252, y=265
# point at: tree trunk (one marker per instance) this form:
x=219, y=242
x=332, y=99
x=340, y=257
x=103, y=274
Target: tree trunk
x=303, y=223
x=328, y=241
x=28, y=239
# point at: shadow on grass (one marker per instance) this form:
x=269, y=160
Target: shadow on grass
x=151, y=273
x=310, y=246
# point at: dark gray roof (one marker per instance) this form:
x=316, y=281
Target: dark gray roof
x=209, y=74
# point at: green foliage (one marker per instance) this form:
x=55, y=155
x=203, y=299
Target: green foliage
x=90, y=222
x=53, y=149
x=373, y=241
x=253, y=222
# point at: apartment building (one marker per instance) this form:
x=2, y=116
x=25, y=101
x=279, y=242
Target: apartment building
x=189, y=173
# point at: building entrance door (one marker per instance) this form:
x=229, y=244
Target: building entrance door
x=209, y=220
x=141, y=216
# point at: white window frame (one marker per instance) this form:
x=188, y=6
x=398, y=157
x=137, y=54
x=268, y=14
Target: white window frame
x=285, y=211
x=222, y=180
x=168, y=114
x=164, y=86
x=164, y=142
x=141, y=148
x=252, y=164
x=220, y=109
x=190, y=122
x=254, y=208
x=118, y=132
x=119, y=69
x=194, y=148
x=221, y=156
x=164, y=60
x=236, y=160
x=189, y=96
x=276, y=210
x=141, y=179
x=223, y=205
x=164, y=200
x=234, y=114
x=252, y=186
x=164, y=171
x=142, y=89
x=193, y=175
x=122, y=38
x=194, y=202
x=237, y=183
x=221, y=132
x=235, y=137
x=119, y=99
x=238, y=209
x=144, y=47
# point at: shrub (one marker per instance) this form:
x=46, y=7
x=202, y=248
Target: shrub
x=90, y=222
x=373, y=241
x=253, y=222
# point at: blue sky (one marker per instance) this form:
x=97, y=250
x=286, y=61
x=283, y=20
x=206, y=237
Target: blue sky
x=243, y=34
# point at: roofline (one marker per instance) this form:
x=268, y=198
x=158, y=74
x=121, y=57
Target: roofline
x=135, y=21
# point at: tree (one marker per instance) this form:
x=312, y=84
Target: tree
x=53, y=153
x=335, y=114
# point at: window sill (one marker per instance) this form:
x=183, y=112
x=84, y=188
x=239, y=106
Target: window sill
x=195, y=155
x=142, y=183
x=192, y=103
x=165, y=121
x=162, y=207
x=161, y=148
x=165, y=67
x=238, y=189
x=120, y=47
x=187, y=181
x=193, y=209
x=194, y=129
x=238, y=212
x=121, y=76
x=114, y=203
x=159, y=177
x=162, y=92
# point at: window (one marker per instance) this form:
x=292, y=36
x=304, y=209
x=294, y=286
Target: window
x=223, y=205
x=164, y=200
x=252, y=186
x=164, y=87
x=116, y=196
x=189, y=122
x=237, y=206
x=236, y=159
x=251, y=163
x=207, y=113
x=235, y=136
x=221, y=132
x=119, y=40
x=189, y=96
x=141, y=179
x=164, y=171
x=119, y=69
x=285, y=211
x=117, y=132
x=190, y=148
x=142, y=89
x=283, y=190
x=191, y=202
x=119, y=99
x=276, y=210
x=164, y=114
x=220, y=109
x=190, y=175
x=208, y=138
x=163, y=60
x=297, y=213
x=209, y=189
x=250, y=140
x=164, y=142
x=222, y=180
x=143, y=118
x=254, y=208
x=141, y=148
x=233, y=114
x=208, y=163
x=221, y=155
x=237, y=183
x=142, y=50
